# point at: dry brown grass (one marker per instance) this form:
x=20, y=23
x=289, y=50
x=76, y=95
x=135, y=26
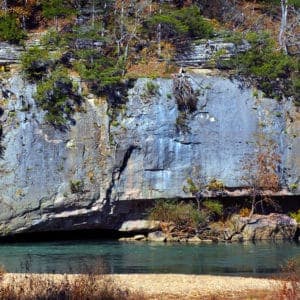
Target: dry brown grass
x=255, y=17
x=290, y=286
x=245, y=212
x=149, y=286
x=147, y=64
x=62, y=287
x=152, y=69
x=42, y=286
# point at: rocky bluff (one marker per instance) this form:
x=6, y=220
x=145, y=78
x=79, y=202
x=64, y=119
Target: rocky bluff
x=95, y=173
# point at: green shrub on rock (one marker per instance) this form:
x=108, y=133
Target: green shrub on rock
x=271, y=68
x=99, y=71
x=214, y=207
x=35, y=62
x=57, y=95
x=53, y=40
x=181, y=214
x=151, y=89
x=183, y=23
x=10, y=29
x=215, y=185
x=76, y=186
x=53, y=9
x=295, y=215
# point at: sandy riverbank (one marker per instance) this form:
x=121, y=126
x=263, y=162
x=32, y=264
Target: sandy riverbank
x=194, y=286
x=172, y=286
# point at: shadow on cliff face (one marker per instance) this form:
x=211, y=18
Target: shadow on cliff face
x=88, y=234
x=2, y=148
x=104, y=227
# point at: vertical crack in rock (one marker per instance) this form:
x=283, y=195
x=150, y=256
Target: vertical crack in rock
x=2, y=148
x=117, y=172
x=5, y=95
x=126, y=158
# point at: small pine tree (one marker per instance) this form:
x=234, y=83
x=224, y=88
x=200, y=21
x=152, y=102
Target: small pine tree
x=55, y=9
x=10, y=29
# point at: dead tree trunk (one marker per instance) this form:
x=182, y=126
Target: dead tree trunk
x=4, y=5
x=283, y=25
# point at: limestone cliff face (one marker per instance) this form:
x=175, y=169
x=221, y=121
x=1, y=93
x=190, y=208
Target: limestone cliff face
x=81, y=178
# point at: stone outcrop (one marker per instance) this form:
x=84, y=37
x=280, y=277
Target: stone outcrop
x=265, y=227
x=258, y=227
x=157, y=236
x=272, y=227
x=206, y=53
x=139, y=226
x=9, y=54
x=141, y=155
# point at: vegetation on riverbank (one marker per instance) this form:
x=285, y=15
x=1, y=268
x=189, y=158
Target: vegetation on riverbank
x=296, y=215
x=48, y=287
x=149, y=286
x=209, y=221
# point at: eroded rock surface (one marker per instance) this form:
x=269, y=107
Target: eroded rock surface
x=265, y=227
x=157, y=236
x=142, y=154
x=9, y=54
x=207, y=53
x=259, y=227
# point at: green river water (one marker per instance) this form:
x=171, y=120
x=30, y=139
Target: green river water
x=248, y=259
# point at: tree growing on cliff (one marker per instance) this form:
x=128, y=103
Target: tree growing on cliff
x=261, y=174
x=10, y=29
x=58, y=96
x=286, y=5
x=289, y=24
x=55, y=9
x=197, y=186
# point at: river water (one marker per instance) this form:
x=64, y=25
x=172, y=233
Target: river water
x=246, y=259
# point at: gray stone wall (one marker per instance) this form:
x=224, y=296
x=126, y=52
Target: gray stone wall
x=140, y=155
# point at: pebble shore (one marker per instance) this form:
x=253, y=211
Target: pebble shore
x=178, y=286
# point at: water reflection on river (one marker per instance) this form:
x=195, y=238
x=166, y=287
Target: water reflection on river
x=115, y=257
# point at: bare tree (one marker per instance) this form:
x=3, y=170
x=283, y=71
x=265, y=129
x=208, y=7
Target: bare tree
x=283, y=25
x=261, y=173
x=290, y=18
x=4, y=5
x=292, y=31
x=127, y=27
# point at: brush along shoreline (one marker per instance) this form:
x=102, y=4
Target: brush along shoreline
x=161, y=286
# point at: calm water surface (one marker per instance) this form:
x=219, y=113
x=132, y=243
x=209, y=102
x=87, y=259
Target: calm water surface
x=116, y=257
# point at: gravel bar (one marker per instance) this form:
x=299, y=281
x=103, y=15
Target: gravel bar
x=169, y=286
x=177, y=286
